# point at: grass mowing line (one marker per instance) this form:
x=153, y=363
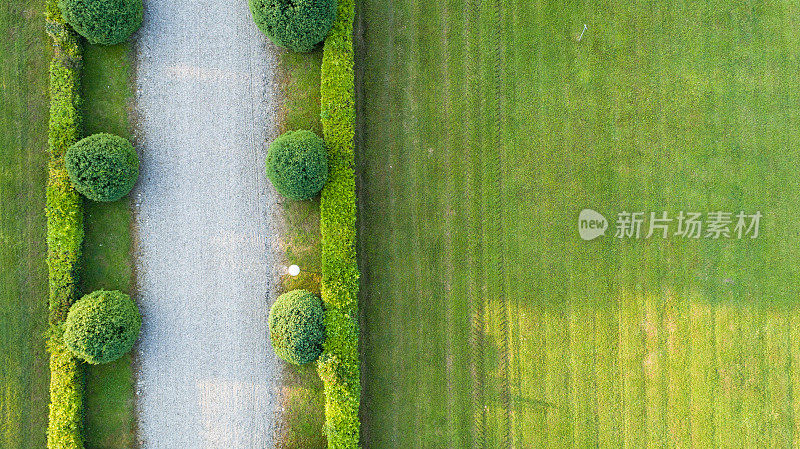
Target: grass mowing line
x=475, y=198
x=427, y=221
x=501, y=147
x=459, y=235
x=495, y=320
x=382, y=430
x=394, y=164
x=540, y=309
x=511, y=238
x=412, y=140
x=448, y=249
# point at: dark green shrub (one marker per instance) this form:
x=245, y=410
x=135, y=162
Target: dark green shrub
x=297, y=327
x=297, y=164
x=102, y=326
x=338, y=366
x=298, y=25
x=105, y=22
x=102, y=167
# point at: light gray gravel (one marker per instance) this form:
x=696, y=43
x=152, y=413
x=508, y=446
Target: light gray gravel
x=206, y=248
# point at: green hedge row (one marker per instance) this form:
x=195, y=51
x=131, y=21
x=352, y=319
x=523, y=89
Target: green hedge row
x=339, y=366
x=64, y=233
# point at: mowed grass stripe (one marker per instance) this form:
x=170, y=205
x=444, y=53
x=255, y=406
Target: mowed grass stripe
x=702, y=368
x=583, y=395
x=393, y=303
x=655, y=371
x=631, y=354
x=415, y=291
x=445, y=154
x=752, y=392
x=496, y=273
x=379, y=155
x=369, y=160
x=476, y=198
x=490, y=278
x=430, y=223
x=514, y=288
x=676, y=323
x=727, y=406
x=458, y=233
x=24, y=55
x=794, y=363
x=559, y=422
x=608, y=378
x=779, y=419
x=530, y=402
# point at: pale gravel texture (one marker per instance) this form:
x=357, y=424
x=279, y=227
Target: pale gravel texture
x=206, y=246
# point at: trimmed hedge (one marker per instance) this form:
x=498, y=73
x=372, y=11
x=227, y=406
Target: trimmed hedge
x=64, y=233
x=298, y=25
x=297, y=164
x=102, y=326
x=297, y=327
x=66, y=397
x=339, y=365
x=102, y=167
x=105, y=22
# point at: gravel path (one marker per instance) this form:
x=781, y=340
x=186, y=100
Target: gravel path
x=205, y=223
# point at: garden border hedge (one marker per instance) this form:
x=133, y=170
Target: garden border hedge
x=64, y=213
x=338, y=366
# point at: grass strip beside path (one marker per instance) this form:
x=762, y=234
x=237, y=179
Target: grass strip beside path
x=109, y=395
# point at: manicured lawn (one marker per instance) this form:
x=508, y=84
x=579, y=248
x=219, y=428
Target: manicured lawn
x=304, y=400
x=110, y=413
x=24, y=57
x=485, y=128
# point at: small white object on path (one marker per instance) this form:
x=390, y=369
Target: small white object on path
x=294, y=270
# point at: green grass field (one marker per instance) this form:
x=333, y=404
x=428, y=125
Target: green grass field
x=24, y=56
x=110, y=414
x=486, y=126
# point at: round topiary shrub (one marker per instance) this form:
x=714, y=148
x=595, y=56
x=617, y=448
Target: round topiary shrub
x=297, y=327
x=105, y=22
x=102, y=167
x=297, y=164
x=102, y=326
x=298, y=25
